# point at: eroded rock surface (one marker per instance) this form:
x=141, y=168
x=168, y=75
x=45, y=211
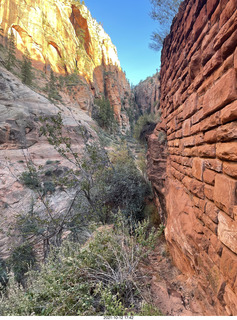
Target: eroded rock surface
x=198, y=103
x=62, y=36
x=147, y=94
x=21, y=140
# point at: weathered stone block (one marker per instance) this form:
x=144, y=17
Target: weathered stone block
x=227, y=29
x=188, y=141
x=213, y=64
x=209, y=176
x=186, y=127
x=199, y=23
x=196, y=187
x=227, y=12
x=209, y=223
x=199, y=139
x=213, y=164
x=197, y=117
x=210, y=122
x=228, y=265
x=195, y=128
x=210, y=136
x=209, y=192
x=222, y=92
x=212, y=211
x=211, y=6
x=185, y=161
x=227, y=231
x=230, y=300
x=227, y=132
x=229, y=45
x=197, y=169
x=195, y=65
x=207, y=151
x=227, y=151
x=229, y=113
x=225, y=192
x=190, y=106
x=230, y=168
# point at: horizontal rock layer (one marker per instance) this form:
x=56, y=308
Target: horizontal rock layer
x=199, y=106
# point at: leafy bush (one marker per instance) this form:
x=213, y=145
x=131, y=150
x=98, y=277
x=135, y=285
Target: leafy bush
x=30, y=179
x=21, y=259
x=103, y=113
x=145, y=126
x=3, y=274
x=100, y=278
x=127, y=188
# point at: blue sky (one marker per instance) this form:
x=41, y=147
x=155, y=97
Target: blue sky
x=129, y=26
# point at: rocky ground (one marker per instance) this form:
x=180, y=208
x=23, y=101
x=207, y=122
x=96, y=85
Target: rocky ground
x=172, y=292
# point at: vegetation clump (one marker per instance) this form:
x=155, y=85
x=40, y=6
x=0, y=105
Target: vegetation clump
x=144, y=126
x=26, y=69
x=10, y=59
x=103, y=113
x=100, y=278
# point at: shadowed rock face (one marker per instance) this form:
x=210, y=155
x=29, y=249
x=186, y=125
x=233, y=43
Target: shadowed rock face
x=197, y=181
x=147, y=94
x=62, y=36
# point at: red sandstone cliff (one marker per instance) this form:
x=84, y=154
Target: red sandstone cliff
x=63, y=36
x=195, y=176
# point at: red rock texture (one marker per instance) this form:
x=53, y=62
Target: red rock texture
x=197, y=182
x=147, y=94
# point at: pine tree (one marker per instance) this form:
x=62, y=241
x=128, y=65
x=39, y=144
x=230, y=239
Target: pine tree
x=52, y=88
x=1, y=36
x=11, y=53
x=26, y=69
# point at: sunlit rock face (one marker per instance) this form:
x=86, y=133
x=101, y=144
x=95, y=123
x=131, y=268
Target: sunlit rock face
x=58, y=33
x=62, y=35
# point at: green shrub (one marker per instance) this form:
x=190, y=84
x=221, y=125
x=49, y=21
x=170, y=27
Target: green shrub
x=26, y=69
x=3, y=274
x=103, y=113
x=100, y=278
x=21, y=259
x=30, y=179
x=145, y=126
x=48, y=186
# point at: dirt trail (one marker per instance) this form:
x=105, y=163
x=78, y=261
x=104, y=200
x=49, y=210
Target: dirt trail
x=172, y=292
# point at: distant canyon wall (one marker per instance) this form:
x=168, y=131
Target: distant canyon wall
x=62, y=36
x=147, y=94
x=194, y=174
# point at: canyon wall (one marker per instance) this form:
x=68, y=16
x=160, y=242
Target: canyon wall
x=62, y=36
x=194, y=174
x=147, y=94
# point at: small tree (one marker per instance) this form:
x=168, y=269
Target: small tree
x=3, y=274
x=26, y=69
x=11, y=53
x=104, y=114
x=21, y=259
x=163, y=12
x=1, y=37
x=52, y=89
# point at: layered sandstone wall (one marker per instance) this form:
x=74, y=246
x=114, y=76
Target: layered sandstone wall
x=198, y=191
